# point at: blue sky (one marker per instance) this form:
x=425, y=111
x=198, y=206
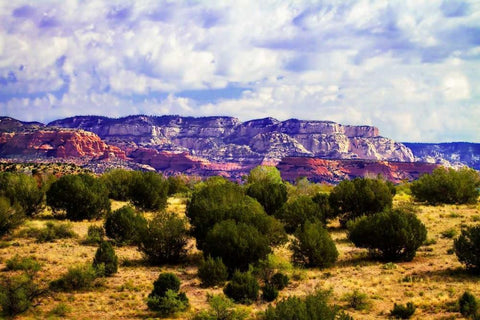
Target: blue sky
x=409, y=67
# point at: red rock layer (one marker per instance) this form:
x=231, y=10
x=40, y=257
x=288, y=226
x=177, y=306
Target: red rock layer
x=333, y=171
x=59, y=143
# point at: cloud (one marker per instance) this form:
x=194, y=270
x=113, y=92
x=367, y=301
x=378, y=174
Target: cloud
x=408, y=67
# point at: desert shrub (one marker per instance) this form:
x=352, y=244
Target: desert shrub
x=449, y=233
x=212, y=272
x=124, y=224
x=177, y=184
x=220, y=308
x=106, y=258
x=279, y=280
x=298, y=211
x=60, y=310
x=237, y=244
x=53, y=231
x=17, y=294
x=361, y=196
x=95, y=235
x=164, y=239
x=268, y=267
x=312, y=307
x=467, y=248
x=165, y=298
x=270, y=195
x=23, y=190
x=401, y=311
x=323, y=204
x=269, y=292
x=468, y=305
x=148, y=191
x=80, y=277
x=447, y=186
x=28, y=264
x=81, y=196
x=118, y=183
x=357, y=300
x=313, y=246
x=10, y=216
x=242, y=288
x=165, y=281
x=211, y=204
x=393, y=234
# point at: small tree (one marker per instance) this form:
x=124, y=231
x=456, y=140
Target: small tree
x=447, y=186
x=165, y=298
x=393, y=234
x=212, y=272
x=243, y=288
x=221, y=308
x=10, y=216
x=22, y=190
x=81, y=196
x=237, y=244
x=105, y=259
x=313, y=246
x=401, y=311
x=123, y=225
x=361, y=196
x=270, y=195
x=118, y=182
x=148, y=191
x=296, y=212
x=467, y=248
x=164, y=239
x=468, y=305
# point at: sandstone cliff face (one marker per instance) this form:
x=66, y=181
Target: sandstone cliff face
x=223, y=138
x=59, y=143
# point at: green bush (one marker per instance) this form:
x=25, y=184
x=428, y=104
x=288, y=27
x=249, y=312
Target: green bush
x=269, y=292
x=164, y=239
x=118, y=183
x=23, y=190
x=95, y=235
x=392, y=235
x=312, y=307
x=10, y=216
x=17, y=294
x=81, y=196
x=77, y=278
x=148, y=191
x=468, y=305
x=270, y=195
x=237, y=244
x=298, y=211
x=467, y=248
x=28, y=264
x=279, y=280
x=124, y=225
x=177, y=184
x=447, y=186
x=105, y=259
x=361, y=196
x=212, y=272
x=165, y=281
x=313, y=246
x=220, y=308
x=357, y=300
x=165, y=298
x=243, y=288
x=53, y=231
x=401, y=311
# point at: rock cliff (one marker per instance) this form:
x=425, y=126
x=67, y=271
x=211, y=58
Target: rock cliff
x=226, y=139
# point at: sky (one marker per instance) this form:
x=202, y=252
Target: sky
x=409, y=67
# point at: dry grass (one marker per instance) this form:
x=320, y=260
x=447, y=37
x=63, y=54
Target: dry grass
x=433, y=280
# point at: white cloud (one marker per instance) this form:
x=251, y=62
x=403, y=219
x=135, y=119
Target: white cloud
x=408, y=67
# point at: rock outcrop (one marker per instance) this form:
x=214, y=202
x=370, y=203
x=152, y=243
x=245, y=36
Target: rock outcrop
x=226, y=139
x=58, y=143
